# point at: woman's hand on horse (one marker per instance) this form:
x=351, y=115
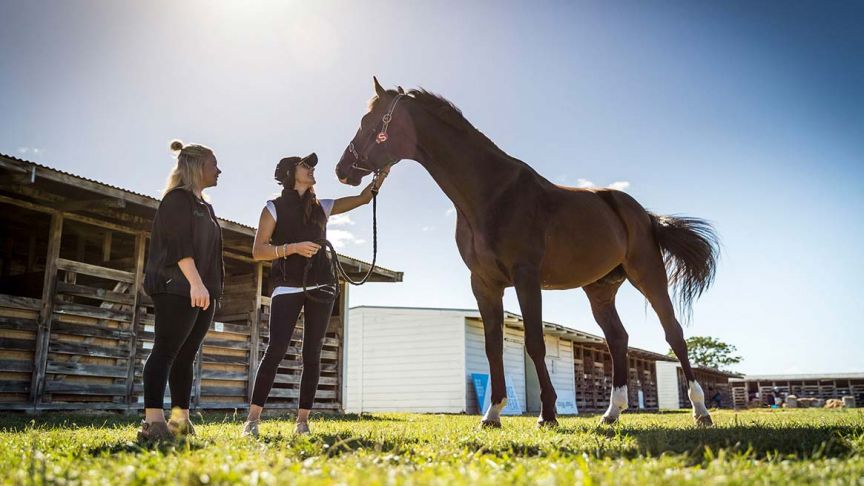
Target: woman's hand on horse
x=200, y=296
x=305, y=248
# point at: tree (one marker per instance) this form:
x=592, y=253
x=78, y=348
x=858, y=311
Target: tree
x=710, y=352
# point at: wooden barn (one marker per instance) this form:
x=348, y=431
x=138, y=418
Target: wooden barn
x=75, y=326
x=423, y=360
x=824, y=386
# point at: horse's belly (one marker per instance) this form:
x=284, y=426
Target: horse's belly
x=580, y=252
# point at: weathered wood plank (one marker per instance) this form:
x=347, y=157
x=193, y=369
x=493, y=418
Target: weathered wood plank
x=78, y=369
x=221, y=375
x=91, y=311
x=94, y=293
x=225, y=343
x=286, y=379
x=93, y=331
x=84, y=388
x=87, y=350
x=40, y=358
x=95, y=270
x=295, y=393
x=67, y=406
x=217, y=358
x=222, y=391
x=18, y=324
x=9, y=343
x=16, y=365
x=15, y=302
x=226, y=318
x=138, y=315
x=254, y=331
x=14, y=387
x=297, y=365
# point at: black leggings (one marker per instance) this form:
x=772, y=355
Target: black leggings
x=284, y=311
x=180, y=329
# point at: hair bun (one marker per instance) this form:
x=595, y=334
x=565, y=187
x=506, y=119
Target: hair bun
x=176, y=145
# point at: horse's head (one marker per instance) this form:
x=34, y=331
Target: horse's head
x=386, y=136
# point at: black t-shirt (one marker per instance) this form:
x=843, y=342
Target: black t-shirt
x=184, y=226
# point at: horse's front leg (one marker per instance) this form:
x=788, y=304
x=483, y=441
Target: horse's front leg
x=489, y=302
x=526, y=279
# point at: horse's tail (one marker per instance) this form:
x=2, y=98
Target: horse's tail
x=690, y=249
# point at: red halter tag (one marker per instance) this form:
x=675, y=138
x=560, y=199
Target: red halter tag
x=381, y=138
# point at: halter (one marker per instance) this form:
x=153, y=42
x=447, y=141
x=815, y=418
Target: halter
x=382, y=137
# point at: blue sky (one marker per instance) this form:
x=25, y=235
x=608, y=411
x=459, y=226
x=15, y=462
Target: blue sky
x=749, y=114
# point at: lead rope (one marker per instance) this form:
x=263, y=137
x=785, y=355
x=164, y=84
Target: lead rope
x=333, y=293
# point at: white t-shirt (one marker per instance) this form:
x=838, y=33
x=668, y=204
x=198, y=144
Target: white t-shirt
x=327, y=206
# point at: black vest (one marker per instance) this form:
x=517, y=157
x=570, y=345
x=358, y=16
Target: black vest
x=290, y=228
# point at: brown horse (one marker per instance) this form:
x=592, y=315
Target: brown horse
x=515, y=228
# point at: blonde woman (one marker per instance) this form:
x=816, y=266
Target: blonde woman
x=184, y=276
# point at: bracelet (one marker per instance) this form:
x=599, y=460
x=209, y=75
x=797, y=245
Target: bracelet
x=276, y=250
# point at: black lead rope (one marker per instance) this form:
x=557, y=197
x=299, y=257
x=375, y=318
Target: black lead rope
x=331, y=291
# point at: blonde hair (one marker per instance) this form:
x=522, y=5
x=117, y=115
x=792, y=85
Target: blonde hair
x=189, y=171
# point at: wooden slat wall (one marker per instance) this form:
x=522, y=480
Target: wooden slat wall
x=812, y=388
x=84, y=344
x=19, y=317
x=593, y=375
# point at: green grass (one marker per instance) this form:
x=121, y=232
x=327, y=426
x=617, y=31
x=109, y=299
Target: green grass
x=766, y=446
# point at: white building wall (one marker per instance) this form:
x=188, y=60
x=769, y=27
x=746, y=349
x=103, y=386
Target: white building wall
x=559, y=363
x=667, y=385
x=405, y=360
x=476, y=362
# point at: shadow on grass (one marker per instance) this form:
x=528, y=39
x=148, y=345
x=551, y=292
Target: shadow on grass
x=341, y=443
x=800, y=441
x=58, y=420
x=135, y=447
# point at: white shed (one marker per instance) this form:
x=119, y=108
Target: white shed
x=422, y=360
x=668, y=396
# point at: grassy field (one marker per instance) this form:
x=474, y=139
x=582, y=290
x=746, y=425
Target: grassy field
x=764, y=446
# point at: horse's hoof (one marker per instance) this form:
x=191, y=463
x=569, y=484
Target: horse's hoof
x=490, y=424
x=547, y=424
x=606, y=420
x=704, y=421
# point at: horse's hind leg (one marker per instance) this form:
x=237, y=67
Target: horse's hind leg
x=646, y=272
x=601, y=295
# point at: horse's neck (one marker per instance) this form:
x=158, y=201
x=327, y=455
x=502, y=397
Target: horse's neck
x=467, y=170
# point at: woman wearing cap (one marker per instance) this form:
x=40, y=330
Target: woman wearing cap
x=183, y=275
x=287, y=233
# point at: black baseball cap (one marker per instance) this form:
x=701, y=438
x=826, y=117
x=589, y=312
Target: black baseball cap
x=311, y=160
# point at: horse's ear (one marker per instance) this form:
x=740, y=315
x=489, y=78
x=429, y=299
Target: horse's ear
x=378, y=89
x=400, y=90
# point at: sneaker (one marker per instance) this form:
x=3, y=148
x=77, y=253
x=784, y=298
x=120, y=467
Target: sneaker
x=250, y=429
x=154, y=432
x=302, y=428
x=181, y=427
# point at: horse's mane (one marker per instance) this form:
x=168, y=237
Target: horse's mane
x=450, y=114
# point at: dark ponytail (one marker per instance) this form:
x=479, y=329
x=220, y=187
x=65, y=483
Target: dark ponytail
x=312, y=210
